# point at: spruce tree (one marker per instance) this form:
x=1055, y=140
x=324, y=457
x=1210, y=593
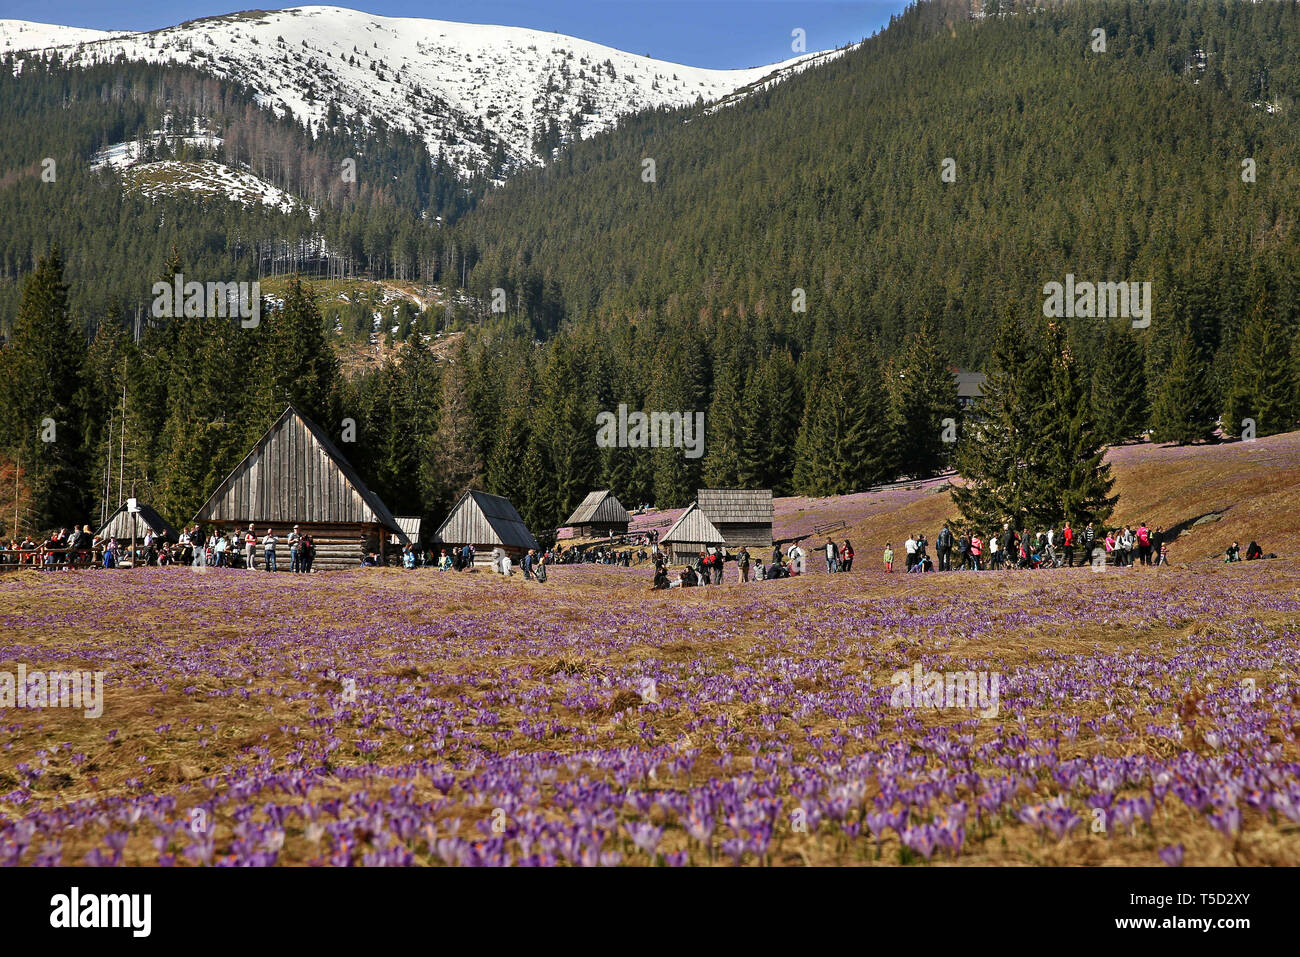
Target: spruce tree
x=1183, y=410
x=297, y=366
x=772, y=413
x=844, y=440
x=42, y=423
x=1263, y=384
x=726, y=453
x=922, y=393
x=1119, y=385
x=1080, y=479
x=453, y=464
x=1000, y=451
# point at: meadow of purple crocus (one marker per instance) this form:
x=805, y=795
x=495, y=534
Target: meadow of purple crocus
x=381, y=717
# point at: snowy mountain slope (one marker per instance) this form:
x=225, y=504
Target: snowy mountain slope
x=18, y=35
x=466, y=89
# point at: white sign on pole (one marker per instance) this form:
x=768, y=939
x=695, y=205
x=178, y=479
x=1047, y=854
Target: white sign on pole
x=132, y=506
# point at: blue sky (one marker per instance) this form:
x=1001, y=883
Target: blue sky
x=708, y=33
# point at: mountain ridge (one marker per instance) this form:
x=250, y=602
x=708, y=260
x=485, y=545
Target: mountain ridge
x=485, y=96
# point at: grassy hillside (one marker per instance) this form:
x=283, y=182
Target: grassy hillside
x=1237, y=491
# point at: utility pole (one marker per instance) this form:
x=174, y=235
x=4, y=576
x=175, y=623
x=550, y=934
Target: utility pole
x=121, y=457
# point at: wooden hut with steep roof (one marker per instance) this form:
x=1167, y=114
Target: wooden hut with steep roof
x=294, y=475
x=122, y=525
x=742, y=516
x=487, y=522
x=689, y=534
x=600, y=515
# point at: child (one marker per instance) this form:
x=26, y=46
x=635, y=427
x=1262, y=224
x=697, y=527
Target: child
x=889, y=556
x=1164, y=551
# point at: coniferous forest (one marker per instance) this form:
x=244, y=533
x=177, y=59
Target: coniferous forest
x=806, y=265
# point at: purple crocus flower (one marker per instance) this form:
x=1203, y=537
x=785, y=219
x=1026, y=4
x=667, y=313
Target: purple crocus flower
x=1172, y=855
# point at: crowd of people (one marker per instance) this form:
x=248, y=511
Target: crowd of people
x=967, y=549
x=707, y=568
x=955, y=549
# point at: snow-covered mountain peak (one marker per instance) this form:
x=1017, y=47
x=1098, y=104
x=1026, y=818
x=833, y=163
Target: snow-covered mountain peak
x=471, y=91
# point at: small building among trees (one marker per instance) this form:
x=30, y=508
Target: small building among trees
x=487, y=522
x=600, y=515
x=294, y=475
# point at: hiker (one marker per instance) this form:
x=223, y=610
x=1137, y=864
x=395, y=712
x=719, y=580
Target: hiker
x=796, y=557
x=507, y=566
x=846, y=556
x=910, y=546
x=1164, y=554
x=1143, y=537
x=268, y=547
x=294, y=559
x=660, y=580
x=1089, y=540
x=943, y=544
x=1067, y=544
x=527, y=564
x=250, y=547
x=539, y=568
x=1253, y=551
x=976, y=550
x=760, y=573
x=742, y=564
x=889, y=556
x=995, y=552
x=307, y=553
x=832, y=557
x=1233, y=554
x=963, y=549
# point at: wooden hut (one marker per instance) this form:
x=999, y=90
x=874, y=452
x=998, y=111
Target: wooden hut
x=123, y=524
x=410, y=526
x=689, y=534
x=295, y=475
x=600, y=515
x=487, y=522
x=743, y=516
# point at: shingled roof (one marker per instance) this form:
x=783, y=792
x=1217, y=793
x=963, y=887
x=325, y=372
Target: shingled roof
x=736, y=506
x=481, y=518
x=599, y=508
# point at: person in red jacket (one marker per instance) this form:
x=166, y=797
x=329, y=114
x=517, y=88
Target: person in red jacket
x=1067, y=540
